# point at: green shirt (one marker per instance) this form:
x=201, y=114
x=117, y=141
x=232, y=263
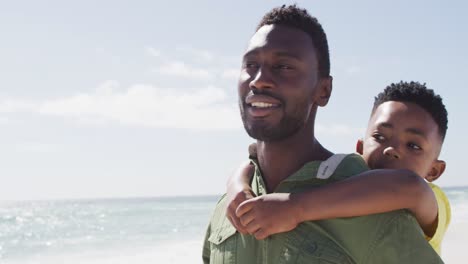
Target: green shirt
x=393, y=237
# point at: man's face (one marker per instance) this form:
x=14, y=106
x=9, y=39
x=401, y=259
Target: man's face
x=278, y=82
x=402, y=136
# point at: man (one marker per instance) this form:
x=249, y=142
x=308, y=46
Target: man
x=285, y=77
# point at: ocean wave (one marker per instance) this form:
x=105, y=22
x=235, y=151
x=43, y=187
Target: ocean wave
x=170, y=252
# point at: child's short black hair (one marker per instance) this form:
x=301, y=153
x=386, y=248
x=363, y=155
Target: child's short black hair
x=299, y=18
x=417, y=93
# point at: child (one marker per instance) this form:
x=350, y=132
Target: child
x=401, y=147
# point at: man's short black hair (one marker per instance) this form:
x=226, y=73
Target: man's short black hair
x=299, y=18
x=417, y=93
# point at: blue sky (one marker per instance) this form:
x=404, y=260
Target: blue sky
x=138, y=98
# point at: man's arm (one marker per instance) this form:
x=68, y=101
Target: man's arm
x=370, y=192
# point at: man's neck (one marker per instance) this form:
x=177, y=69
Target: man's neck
x=280, y=159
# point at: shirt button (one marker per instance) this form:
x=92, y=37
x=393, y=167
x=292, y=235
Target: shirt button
x=312, y=248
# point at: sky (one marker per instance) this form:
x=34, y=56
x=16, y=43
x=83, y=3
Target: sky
x=138, y=98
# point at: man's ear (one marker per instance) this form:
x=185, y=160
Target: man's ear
x=359, y=146
x=437, y=168
x=325, y=90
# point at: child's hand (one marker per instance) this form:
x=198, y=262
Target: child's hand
x=235, y=196
x=268, y=214
x=238, y=191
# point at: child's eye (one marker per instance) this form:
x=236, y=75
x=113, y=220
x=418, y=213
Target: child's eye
x=414, y=146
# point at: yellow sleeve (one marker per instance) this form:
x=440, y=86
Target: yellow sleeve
x=443, y=218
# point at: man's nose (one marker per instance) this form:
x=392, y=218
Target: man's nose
x=263, y=79
x=392, y=152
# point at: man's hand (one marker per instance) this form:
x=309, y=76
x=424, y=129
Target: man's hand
x=268, y=214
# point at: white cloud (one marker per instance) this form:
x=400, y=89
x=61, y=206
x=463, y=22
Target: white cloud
x=36, y=147
x=4, y=121
x=153, y=52
x=232, y=73
x=180, y=69
x=208, y=108
x=13, y=105
x=198, y=54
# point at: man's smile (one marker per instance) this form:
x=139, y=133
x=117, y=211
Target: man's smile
x=261, y=105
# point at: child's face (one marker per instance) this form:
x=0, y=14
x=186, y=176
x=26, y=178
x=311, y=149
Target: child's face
x=403, y=136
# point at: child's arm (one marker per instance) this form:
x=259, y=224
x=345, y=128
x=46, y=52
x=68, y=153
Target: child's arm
x=238, y=191
x=371, y=192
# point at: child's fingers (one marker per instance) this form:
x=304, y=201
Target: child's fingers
x=231, y=209
x=233, y=204
x=243, y=208
x=252, y=227
x=260, y=234
x=236, y=223
x=246, y=218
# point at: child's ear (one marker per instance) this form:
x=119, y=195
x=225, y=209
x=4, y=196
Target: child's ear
x=326, y=87
x=437, y=168
x=359, y=146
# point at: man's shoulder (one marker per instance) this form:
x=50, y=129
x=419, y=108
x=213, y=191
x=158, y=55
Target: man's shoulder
x=220, y=206
x=219, y=226
x=340, y=166
x=351, y=165
x=317, y=173
x=218, y=217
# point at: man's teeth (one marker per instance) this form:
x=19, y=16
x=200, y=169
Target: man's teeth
x=261, y=104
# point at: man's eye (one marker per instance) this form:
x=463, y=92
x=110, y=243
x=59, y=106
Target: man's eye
x=414, y=146
x=250, y=65
x=283, y=67
x=378, y=137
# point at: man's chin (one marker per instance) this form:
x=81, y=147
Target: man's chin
x=271, y=129
x=268, y=134
x=261, y=132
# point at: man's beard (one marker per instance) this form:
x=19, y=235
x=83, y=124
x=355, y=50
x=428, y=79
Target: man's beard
x=289, y=124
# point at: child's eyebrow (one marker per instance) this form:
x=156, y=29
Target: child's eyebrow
x=414, y=131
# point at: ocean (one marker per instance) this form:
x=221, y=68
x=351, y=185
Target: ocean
x=135, y=230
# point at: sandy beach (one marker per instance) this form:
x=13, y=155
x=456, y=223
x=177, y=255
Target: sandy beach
x=454, y=247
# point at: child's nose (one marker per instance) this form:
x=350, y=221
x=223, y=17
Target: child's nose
x=392, y=152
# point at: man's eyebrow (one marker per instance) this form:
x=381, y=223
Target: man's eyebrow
x=251, y=53
x=279, y=54
x=384, y=125
x=287, y=55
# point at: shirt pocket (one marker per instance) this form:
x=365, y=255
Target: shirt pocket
x=223, y=243
x=304, y=246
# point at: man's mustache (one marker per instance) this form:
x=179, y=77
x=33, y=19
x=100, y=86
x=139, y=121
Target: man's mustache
x=264, y=92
